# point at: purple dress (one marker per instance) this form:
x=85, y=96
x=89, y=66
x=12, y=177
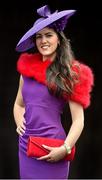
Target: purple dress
x=43, y=118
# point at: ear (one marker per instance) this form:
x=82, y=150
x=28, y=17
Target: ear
x=58, y=42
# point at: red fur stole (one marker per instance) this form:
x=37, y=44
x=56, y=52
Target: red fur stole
x=31, y=65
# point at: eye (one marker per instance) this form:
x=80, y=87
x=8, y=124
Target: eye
x=38, y=36
x=49, y=35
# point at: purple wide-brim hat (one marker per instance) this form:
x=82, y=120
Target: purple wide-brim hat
x=27, y=41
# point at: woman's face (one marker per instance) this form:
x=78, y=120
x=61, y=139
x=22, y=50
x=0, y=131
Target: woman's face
x=47, y=41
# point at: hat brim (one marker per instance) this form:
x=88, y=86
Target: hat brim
x=26, y=42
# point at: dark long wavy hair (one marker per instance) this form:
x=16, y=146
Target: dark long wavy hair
x=60, y=75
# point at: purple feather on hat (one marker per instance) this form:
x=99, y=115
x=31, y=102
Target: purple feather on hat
x=44, y=11
x=58, y=25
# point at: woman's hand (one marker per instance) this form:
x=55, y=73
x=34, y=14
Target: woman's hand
x=21, y=128
x=55, y=154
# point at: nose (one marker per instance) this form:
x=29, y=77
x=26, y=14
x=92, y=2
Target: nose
x=43, y=39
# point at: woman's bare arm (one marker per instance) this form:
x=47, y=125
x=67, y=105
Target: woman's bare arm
x=77, y=126
x=19, y=110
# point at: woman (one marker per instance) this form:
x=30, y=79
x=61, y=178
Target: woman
x=49, y=79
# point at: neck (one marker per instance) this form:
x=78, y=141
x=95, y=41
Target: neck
x=51, y=57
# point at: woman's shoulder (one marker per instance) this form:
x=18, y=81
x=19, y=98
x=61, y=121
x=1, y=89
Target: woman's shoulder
x=85, y=72
x=26, y=60
x=24, y=57
x=81, y=67
x=24, y=63
x=84, y=86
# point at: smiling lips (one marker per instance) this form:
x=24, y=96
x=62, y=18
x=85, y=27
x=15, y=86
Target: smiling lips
x=45, y=47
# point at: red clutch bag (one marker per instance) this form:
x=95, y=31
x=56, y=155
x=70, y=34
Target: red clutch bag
x=35, y=148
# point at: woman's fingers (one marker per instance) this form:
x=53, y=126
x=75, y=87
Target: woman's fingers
x=43, y=157
x=55, y=154
x=21, y=129
x=48, y=158
x=47, y=147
